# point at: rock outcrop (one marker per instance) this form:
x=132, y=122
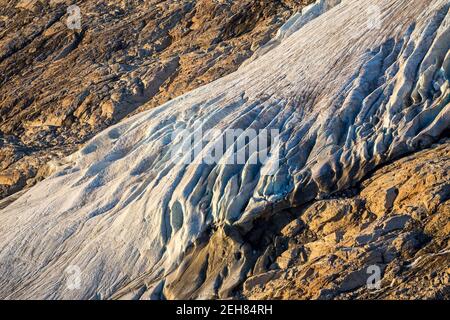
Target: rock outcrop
x=141, y=217
x=397, y=225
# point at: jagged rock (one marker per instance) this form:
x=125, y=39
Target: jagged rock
x=410, y=252
x=11, y=179
x=259, y=280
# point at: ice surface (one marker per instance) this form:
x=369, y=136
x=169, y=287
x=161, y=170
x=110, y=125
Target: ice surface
x=300, y=19
x=345, y=95
x=294, y=24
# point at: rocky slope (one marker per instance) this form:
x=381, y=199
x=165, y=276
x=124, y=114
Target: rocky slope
x=140, y=219
x=60, y=86
x=397, y=221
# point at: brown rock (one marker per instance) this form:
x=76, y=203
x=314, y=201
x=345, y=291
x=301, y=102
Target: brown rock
x=406, y=250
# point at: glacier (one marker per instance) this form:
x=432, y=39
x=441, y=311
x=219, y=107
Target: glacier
x=346, y=96
x=295, y=23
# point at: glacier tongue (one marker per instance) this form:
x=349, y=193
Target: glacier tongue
x=346, y=96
